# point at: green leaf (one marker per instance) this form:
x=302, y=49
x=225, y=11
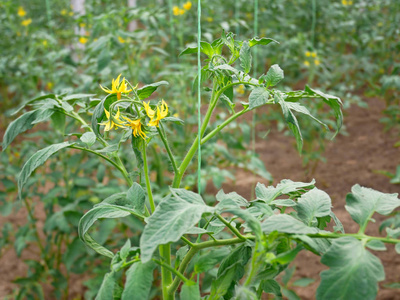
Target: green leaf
x=286, y=186
x=221, y=285
x=139, y=279
x=251, y=221
x=171, y=219
x=23, y=123
x=232, y=199
x=362, y=202
x=302, y=109
x=376, y=245
x=313, y=204
x=108, y=149
x=89, y=138
x=58, y=121
x=287, y=224
x=36, y=160
x=353, y=272
x=397, y=248
x=146, y=91
x=274, y=75
x=124, y=252
x=190, y=291
x=209, y=260
x=245, y=57
x=137, y=197
x=103, y=59
x=98, y=112
x=101, y=211
x=258, y=97
x=334, y=102
x=289, y=256
x=77, y=96
x=106, y=290
x=303, y=282
x=290, y=120
x=189, y=50
x=271, y=286
x=261, y=41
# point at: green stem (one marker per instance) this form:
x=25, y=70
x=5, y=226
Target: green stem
x=233, y=229
x=176, y=272
x=166, y=275
x=146, y=176
x=166, y=145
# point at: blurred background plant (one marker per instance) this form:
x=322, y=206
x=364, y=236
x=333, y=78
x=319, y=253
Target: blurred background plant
x=347, y=48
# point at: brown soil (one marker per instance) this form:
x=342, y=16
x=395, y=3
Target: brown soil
x=350, y=159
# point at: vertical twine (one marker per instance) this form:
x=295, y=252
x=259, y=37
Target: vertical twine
x=253, y=123
x=314, y=20
x=198, y=96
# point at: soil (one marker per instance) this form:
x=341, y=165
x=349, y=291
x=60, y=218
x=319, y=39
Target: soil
x=350, y=159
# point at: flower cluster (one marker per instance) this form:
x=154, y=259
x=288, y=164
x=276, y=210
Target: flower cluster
x=180, y=11
x=314, y=58
x=22, y=13
x=347, y=2
x=121, y=121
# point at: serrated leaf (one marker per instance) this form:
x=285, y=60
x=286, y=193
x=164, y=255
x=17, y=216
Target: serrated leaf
x=258, y=97
x=232, y=199
x=190, y=291
x=302, y=109
x=36, y=160
x=124, y=252
x=89, y=138
x=106, y=290
x=376, y=245
x=139, y=279
x=286, y=186
x=146, y=91
x=108, y=149
x=271, y=286
x=261, y=41
x=245, y=57
x=353, y=272
x=23, y=123
x=274, y=75
x=313, y=204
x=362, y=202
x=287, y=224
x=136, y=197
x=171, y=219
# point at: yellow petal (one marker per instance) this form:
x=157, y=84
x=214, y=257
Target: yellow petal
x=106, y=89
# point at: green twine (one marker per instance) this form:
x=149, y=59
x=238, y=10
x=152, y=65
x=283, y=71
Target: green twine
x=314, y=20
x=253, y=123
x=198, y=96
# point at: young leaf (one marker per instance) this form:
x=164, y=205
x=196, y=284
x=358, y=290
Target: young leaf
x=353, y=272
x=137, y=197
x=302, y=109
x=89, y=138
x=258, y=96
x=270, y=286
x=146, y=91
x=274, y=75
x=171, y=219
x=139, y=279
x=287, y=224
x=313, y=204
x=245, y=57
x=261, y=41
x=362, y=202
x=286, y=186
x=36, y=160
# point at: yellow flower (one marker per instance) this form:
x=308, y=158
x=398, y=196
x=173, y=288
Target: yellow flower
x=176, y=115
x=209, y=19
x=240, y=89
x=317, y=62
x=71, y=13
x=121, y=40
x=117, y=87
x=175, y=10
x=44, y=43
x=306, y=63
x=187, y=5
x=313, y=54
x=109, y=124
x=347, y=2
x=308, y=53
x=49, y=85
x=83, y=40
x=155, y=117
x=181, y=11
x=136, y=127
x=82, y=25
x=21, y=11
x=64, y=12
x=26, y=22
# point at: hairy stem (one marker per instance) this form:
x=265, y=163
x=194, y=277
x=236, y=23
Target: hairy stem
x=166, y=145
x=146, y=176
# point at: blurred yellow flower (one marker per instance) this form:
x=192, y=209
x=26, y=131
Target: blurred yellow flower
x=306, y=63
x=209, y=19
x=380, y=24
x=109, y=124
x=176, y=115
x=181, y=11
x=175, y=10
x=83, y=25
x=155, y=117
x=63, y=12
x=121, y=40
x=44, y=43
x=26, y=22
x=313, y=54
x=317, y=62
x=308, y=53
x=136, y=127
x=117, y=87
x=347, y=2
x=240, y=89
x=187, y=5
x=83, y=40
x=71, y=13
x=21, y=11
x=49, y=85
